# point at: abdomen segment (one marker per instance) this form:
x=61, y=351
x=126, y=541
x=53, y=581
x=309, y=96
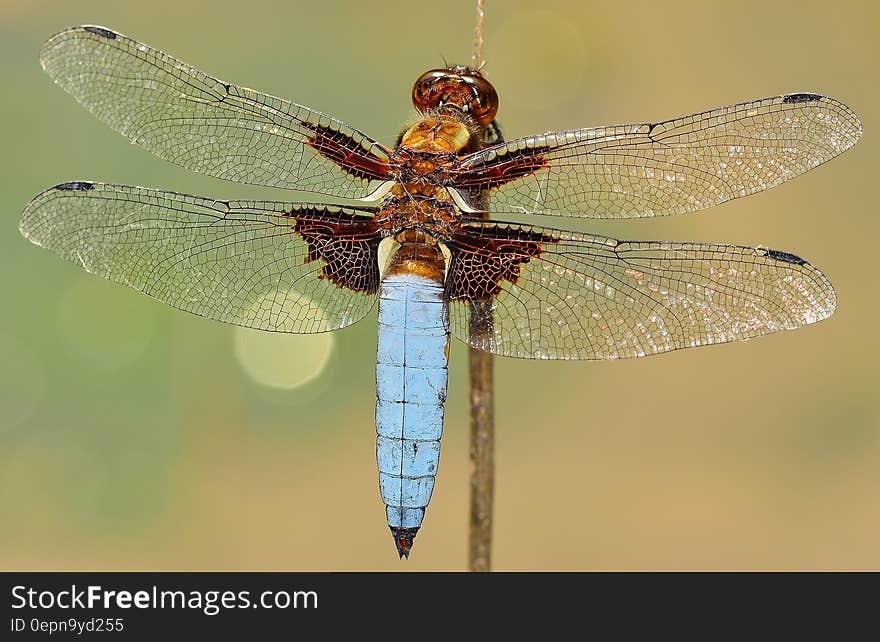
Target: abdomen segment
x=411, y=379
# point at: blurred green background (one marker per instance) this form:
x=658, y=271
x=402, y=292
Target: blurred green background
x=133, y=436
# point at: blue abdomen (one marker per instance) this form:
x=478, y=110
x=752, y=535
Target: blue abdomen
x=411, y=390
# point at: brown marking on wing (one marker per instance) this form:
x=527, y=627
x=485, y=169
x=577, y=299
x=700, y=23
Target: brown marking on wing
x=485, y=255
x=502, y=169
x=347, y=244
x=348, y=154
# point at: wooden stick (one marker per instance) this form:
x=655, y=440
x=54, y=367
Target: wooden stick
x=482, y=398
x=482, y=443
x=477, y=58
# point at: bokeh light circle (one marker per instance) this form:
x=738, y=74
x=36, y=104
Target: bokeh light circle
x=280, y=360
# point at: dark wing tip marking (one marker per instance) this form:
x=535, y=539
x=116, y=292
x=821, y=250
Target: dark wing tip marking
x=75, y=186
x=785, y=257
x=802, y=98
x=101, y=31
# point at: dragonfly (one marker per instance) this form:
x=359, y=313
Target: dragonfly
x=417, y=235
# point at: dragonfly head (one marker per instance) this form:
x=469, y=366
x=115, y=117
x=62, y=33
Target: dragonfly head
x=458, y=86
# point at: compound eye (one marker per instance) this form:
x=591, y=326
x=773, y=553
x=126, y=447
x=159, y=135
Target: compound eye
x=430, y=87
x=459, y=86
x=484, y=106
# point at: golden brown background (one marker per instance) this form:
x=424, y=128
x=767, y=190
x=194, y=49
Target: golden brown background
x=133, y=436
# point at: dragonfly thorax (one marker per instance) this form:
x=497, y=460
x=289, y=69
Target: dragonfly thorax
x=426, y=209
x=410, y=167
x=437, y=135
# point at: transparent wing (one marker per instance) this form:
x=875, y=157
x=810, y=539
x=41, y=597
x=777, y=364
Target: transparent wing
x=207, y=125
x=283, y=267
x=657, y=169
x=559, y=295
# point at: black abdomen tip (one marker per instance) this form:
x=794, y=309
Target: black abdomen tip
x=100, y=31
x=403, y=539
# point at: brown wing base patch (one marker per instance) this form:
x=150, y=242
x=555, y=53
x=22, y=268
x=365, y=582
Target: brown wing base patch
x=349, y=155
x=502, y=169
x=485, y=255
x=346, y=243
